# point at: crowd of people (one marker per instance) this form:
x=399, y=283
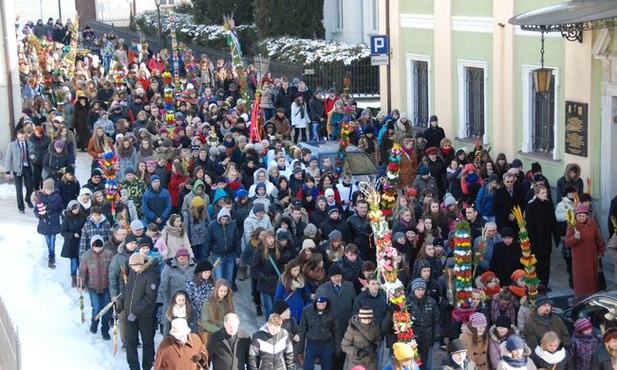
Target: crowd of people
x=201, y=206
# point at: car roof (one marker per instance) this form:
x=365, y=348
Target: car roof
x=326, y=147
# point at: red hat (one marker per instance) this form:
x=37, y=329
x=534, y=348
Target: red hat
x=412, y=192
x=431, y=150
x=517, y=274
x=178, y=129
x=484, y=277
x=581, y=208
x=582, y=324
x=609, y=335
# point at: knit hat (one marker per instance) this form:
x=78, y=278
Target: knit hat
x=514, y=342
x=609, y=335
x=493, y=177
x=333, y=209
x=137, y=259
x=397, y=235
x=402, y=351
x=83, y=191
x=310, y=231
x=198, y=202
x=477, y=319
x=329, y=192
x=507, y=232
x=516, y=163
x=542, y=300
x=306, y=244
x=129, y=238
x=97, y=241
x=72, y=204
x=335, y=270
x=486, y=275
x=59, y=144
x=179, y=328
x=418, y=283
x=365, y=313
x=423, y=170
x=282, y=234
x=582, y=208
x=517, y=274
x=438, y=241
x=582, y=324
x=430, y=151
x=136, y=225
x=258, y=207
x=449, y=200
x=334, y=235
x=182, y=252
x=49, y=185
x=242, y=193
x=457, y=346
x=536, y=167
x=280, y=307
x=124, y=193
x=96, y=172
x=203, y=265
x=154, y=178
x=503, y=322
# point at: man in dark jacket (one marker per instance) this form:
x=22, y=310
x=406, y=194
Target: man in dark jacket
x=373, y=297
x=542, y=321
x=506, y=257
x=361, y=231
x=426, y=321
x=341, y=296
x=95, y=182
x=318, y=120
x=118, y=271
x=504, y=199
x=541, y=226
x=156, y=203
x=139, y=302
x=434, y=133
x=19, y=166
x=334, y=222
x=229, y=347
x=320, y=332
x=224, y=242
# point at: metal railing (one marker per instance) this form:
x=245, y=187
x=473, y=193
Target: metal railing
x=10, y=346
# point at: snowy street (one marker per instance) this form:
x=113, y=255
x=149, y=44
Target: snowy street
x=45, y=308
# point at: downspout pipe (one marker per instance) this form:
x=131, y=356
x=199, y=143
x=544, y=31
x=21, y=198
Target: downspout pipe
x=7, y=61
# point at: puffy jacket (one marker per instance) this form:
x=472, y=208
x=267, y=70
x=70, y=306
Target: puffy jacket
x=361, y=337
x=535, y=327
x=38, y=147
x=252, y=222
x=140, y=292
x=361, y=232
x=173, y=278
x=223, y=240
x=119, y=270
x=49, y=222
x=484, y=201
x=93, y=270
x=315, y=327
x=156, y=204
x=264, y=272
x=426, y=320
x=56, y=164
x=270, y=352
x=71, y=225
x=136, y=190
x=379, y=303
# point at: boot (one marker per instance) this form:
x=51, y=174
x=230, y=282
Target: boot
x=51, y=263
x=258, y=310
x=243, y=273
x=73, y=281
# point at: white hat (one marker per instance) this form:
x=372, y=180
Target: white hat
x=329, y=192
x=179, y=328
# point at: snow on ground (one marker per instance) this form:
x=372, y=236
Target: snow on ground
x=45, y=308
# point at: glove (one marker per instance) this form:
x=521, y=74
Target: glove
x=363, y=352
x=393, y=308
x=131, y=317
x=159, y=304
x=577, y=235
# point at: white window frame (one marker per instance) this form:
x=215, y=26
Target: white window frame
x=462, y=97
x=526, y=144
x=338, y=13
x=409, y=59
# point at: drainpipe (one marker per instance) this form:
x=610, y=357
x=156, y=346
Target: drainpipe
x=7, y=61
x=388, y=72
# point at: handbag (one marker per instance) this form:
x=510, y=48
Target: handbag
x=601, y=277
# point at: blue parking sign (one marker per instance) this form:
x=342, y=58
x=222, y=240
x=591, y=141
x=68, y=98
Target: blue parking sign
x=379, y=44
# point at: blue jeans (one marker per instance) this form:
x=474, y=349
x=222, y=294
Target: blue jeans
x=269, y=113
x=226, y=269
x=323, y=350
x=98, y=301
x=74, y=266
x=268, y=301
x=50, y=240
x=314, y=131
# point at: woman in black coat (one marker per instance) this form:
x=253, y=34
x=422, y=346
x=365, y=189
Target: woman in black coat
x=48, y=208
x=72, y=223
x=541, y=227
x=266, y=267
x=56, y=162
x=69, y=187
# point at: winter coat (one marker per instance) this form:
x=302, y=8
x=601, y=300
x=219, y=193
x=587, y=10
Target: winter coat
x=170, y=241
x=13, y=159
x=566, y=180
x=94, y=270
x=433, y=136
x=156, y=204
x=119, y=270
x=173, y=278
x=582, y=348
x=560, y=360
x=223, y=240
x=477, y=351
x=449, y=364
x=198, y=293
x=341, y=225
x=49, y=222
x=223, y=356
x=69, y=190
x=171, y=354
x=188, y=199
x=601, y=359
x=264, y=272
x=140, y=292
x=363, y=338
x=421, y=184
x=506, y=259
x=174, y=187
x=296, y=299
x=426, y=322
x=252, y=222
x=38, y=147
x=503, y=204
x=126, y=162
x=536, y=327
x=71, y=225
x=342, y=302
x=90, y=229
x=484, y=201
x=350, y=269
x=408, y=168
x=379, y=304
x=585, y=253
x=270, y=352
x=206, y=322
x=541, y=224
x=320, y=327
x=197, y=228
x=494, y=351
x=507, y=364
x=361, y=235
x=136, y=190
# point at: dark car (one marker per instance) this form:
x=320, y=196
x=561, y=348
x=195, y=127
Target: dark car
x=600, y=309
x=357, y=162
